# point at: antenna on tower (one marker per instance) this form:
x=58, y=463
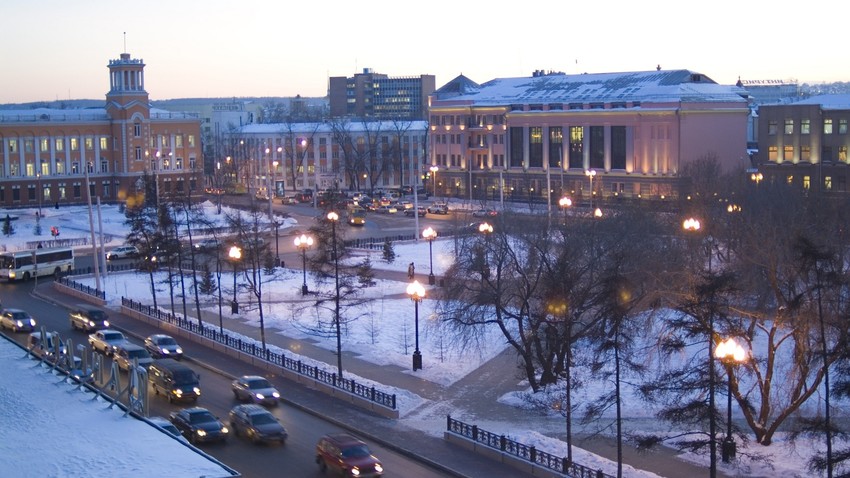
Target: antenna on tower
x=125, y=42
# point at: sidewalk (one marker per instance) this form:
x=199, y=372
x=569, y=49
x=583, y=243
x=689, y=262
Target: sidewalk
x=472, y=399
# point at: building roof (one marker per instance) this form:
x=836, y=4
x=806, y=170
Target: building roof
x=645, y=86
x=78, y=114
x=828, y=102
x=461, y=85
x=328, y=127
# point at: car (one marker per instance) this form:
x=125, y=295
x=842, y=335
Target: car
x=88, y=318
x=163, y=346
x=347, y=455
x=17, y=320
x=484, y=213
x=105, y=341
x=126, y=354
x=206, y=245
x=386, y=209
x=357, y=217
x=404, y=205
x=175, y=380
x=46, y=345
x=438, y=208
x=420, y=211
x=165, y=425
x=289, y=200
x=199, y=425
x=122, y=252
x=256, y=423
x=256, y=389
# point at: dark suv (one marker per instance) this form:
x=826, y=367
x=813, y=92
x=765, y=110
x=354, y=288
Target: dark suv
x=88, y=318
x=347, y=455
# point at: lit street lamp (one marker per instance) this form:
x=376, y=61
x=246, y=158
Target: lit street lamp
x=434, y=170
x=485, y=228
x=416, y=293
x=235, y=255
x=304, y=242
x=333, y=217
x=564, y=203
x=590, y=173
x=429, y=235
x=730, y=354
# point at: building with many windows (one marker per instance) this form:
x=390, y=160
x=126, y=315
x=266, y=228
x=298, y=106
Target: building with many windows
x=349, y=155
x=805, y=143
x=49, y=155
x=606, y=135
x=375, y=96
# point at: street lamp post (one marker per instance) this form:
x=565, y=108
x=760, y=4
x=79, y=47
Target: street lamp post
x=730, y=354
x=235, y=255
x=274, y=221
x=434, y=170
x=565, y=202
x=590, y=173
x=303, y=242
x=429, y=235
x=416, y=293
x=333, y=217
x=485, y=228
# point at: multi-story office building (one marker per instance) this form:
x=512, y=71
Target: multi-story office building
x=48, y=155
x=374, y=96
x=625, y=135
x=362, y=156
x=805, y=143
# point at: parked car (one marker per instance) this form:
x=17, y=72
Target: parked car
x=484, y=213
x=199, y=425
x=256, y=389
x=105, y=341
x=411, y=212
x=88, y=318
x=163, y=346
x=289, y=200
x=122, y=252
x=347, y=456
x=174, y=379
x=209, y=244
x=438, y=208
x=386, y=209
x=127, y=353
x=17, y=320
x=256, y=423
x=167, y=426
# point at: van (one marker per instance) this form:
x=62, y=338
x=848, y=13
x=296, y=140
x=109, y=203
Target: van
x=88, y=318
x=175, y=380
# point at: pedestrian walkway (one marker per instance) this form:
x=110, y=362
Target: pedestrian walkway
x=473, y=399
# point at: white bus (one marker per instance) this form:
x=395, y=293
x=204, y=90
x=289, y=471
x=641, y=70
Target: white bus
x=43, y=262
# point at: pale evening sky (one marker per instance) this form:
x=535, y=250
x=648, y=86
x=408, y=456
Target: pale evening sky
x=59, y=49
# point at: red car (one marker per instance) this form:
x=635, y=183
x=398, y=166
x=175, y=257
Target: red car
x=347, y=455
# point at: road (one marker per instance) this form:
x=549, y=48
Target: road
x=296, y=458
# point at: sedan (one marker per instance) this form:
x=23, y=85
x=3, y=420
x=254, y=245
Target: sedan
x=257, y=423
x=255, y=389
x=105, y=341
x=128, y=354
x=164, y=424
x=163, y=346
x=122, y=252
x=386, y=209
x=199, y=425
x=17, y=320
x=484, y=213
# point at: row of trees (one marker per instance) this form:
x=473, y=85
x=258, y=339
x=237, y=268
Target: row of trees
x=635, y=300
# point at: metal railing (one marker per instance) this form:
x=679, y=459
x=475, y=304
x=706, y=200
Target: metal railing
x=250, y=347
x=81, y=287
x=522, y=451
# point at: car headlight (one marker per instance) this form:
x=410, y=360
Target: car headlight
x=11, y=274
x=201, y=433
x=260, y=396
x=106, y=323
x=276, y=395
x=178, y=392
x=224, y=430
x=164, y=351
x=355, y=471
x=91, y=323
x=178, y=351
x=379, y=468
x=197, y=391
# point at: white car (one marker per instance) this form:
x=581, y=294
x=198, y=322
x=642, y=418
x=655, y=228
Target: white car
x=105, y=341
x=122, y=252
x=127, y=353
x=386, y=209
x=255, y=389
x=164, y=424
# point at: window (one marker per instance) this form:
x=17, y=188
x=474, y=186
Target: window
x=45, y=168
x=556, y=140
x=178, y=163
x=771, y=127
x=75, y=168
x=60, y=144
x=789, y=126
x=75, y=144
x=104, y=166
x=192, y=163
x=63, y=193
x=28, y=145
x=618, y=147
x=178, y=141
x=517, y=141
x=827, y=183
x=576, y=160
x=137, y=129
x=13, y=146
x=805, y=126
x=788, y=153
x=44, y=145
x=826, y=154
x=31, y=192
x=790, y=179
x=60, y=168
x=16, y=193
x=535, y=148
x=138, y=153
x=805, y=153
x=77, y=191
x=14, y=169
x=842, y=126
x=30, y=169
x=597, y=147
x=827, y=126
x=104, y=143
x=89, y=144
x=45, y=192
x=164, y=141
x=842, y=154
x=807, y=182
x=191, y=138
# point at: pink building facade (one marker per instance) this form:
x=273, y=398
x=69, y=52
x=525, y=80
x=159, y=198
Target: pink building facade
x=613, y=135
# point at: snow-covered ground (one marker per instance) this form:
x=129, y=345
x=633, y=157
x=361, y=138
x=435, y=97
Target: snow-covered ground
x=384, y=335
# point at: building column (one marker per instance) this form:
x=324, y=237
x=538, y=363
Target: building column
x=525, y=146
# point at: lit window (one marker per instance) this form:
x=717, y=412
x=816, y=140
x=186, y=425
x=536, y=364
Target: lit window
x=807, y=182
x=44, y=145
x=13, y=146
x=805, y=153
x=805, y=126
x=89, y=144
x=60, y=144
x=104, y=143
x=789, y=126
x=789, y=179
x=788, y=153
x=178, y=141
x=827, y=126
x=827, y=183
x=842, y=153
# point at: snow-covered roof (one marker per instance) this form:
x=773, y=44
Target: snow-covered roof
x=53, y=114
x=644, y=86
x=828, y=102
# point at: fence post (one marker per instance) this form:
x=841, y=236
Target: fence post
x=475, y=432
x=394, y=402
x=503, y=442
x=599, y=474
x=532, y=454
x=448, y=422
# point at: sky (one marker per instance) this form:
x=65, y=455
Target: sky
x=386, y=338
x=219, y=48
